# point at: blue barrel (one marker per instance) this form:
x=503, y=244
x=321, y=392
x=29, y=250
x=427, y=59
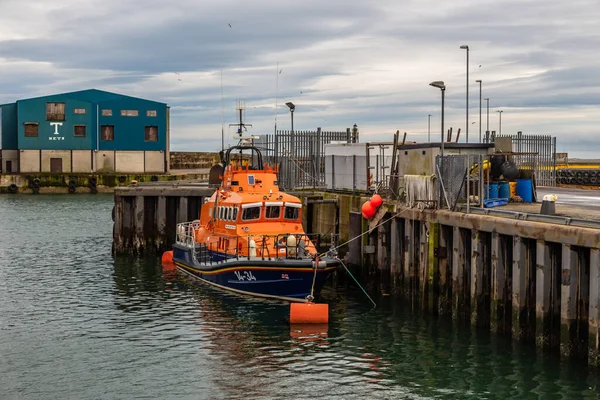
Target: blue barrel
x=525, y=190
x=504, y=190
x=493, y=191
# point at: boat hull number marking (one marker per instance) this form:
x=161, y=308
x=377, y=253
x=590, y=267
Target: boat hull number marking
x=245, y=276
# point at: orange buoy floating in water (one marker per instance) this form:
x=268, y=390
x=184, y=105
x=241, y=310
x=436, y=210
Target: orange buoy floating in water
x=167, y=256
x=167, y=261
x=309, y=313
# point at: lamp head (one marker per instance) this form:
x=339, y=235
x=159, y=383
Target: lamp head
x=464, y=46
x=291, y=106
x=438, y=84
x=478, y=81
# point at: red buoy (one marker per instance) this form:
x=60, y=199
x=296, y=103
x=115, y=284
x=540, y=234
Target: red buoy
x=309, y=313
x=376, y=200
x=167, y=261
x=368, y=211
x=167, y=256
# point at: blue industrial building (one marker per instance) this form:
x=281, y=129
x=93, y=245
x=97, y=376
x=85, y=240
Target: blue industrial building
x=85, y=131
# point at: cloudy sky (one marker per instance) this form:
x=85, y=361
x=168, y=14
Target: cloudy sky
x=340, y=62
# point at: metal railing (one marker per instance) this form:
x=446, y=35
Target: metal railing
x=300, y=155
x=264, y=247
x=541, y=151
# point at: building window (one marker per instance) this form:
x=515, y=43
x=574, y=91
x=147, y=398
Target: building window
x=79, y=111
x=107, y=113
x=151, y=134
x=129, y=113
x=31, y=129
x=79, y=130
x=107, y=132
x=55, y=111
x=151, y=113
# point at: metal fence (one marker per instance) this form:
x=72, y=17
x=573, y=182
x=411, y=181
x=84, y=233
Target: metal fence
x=301, y=155
x=460, y=180
x=536, y=152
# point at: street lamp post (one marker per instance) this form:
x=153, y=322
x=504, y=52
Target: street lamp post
x=500, y=123
x=479, y=81
x=440, y=85
x=429, y=128
x=487, y=126
x=465, y=47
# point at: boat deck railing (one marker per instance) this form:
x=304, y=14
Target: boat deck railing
x=255, y=247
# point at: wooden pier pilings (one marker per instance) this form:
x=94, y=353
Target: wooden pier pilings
x=538, y=282
x=146, y=216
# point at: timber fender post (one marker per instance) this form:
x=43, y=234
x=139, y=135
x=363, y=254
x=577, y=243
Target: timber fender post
x=145, y=216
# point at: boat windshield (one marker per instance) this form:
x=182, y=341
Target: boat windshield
x=272, y=212
x=250, y=213
x=291, y=213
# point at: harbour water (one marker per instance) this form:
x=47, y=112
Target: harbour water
x=77, y=324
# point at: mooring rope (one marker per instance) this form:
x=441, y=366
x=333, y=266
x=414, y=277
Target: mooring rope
x=358, y=236
x=311, y=296
x=359, y=285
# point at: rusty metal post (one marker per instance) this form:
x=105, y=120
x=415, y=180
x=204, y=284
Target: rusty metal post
x=519, y=286
x=543, y=285
x=568, y=300
x=594, y=310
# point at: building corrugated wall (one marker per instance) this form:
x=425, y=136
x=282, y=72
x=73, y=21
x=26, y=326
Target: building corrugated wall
x=89, y=131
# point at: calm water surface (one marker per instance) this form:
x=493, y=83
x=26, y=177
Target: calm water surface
x=77, y=324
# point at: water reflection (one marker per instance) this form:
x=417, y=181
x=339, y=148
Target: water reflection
x=76, y=323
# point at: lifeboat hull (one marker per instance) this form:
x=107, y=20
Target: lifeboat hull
x=284, y=279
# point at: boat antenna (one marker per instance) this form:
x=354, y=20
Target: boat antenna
x=222, y=116
x=240, y=107
x=276, y=93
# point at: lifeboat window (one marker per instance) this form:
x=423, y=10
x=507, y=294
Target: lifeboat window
x=235, y=213
x=220, y=212
x=291, y=213
x=229, y=213
x=250, y=213
x=272, y=212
